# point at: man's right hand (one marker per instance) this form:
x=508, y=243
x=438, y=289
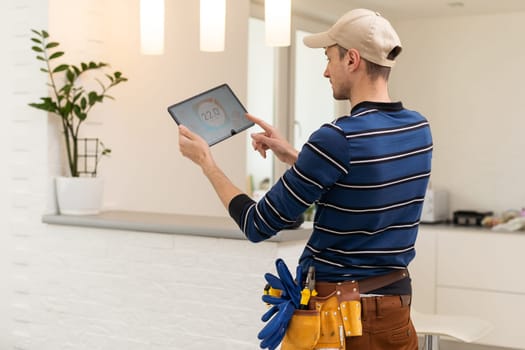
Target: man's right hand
x=270, y=139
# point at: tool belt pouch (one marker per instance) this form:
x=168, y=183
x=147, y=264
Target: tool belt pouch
x=303, y=331
x=340, y=314
x=351, y=315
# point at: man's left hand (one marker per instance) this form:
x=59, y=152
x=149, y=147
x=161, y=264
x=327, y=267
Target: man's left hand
x=194, y=147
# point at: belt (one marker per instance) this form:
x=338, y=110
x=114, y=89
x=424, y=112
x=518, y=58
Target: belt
x=365, y=285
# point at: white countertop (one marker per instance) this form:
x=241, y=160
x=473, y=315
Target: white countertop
x=209, y=226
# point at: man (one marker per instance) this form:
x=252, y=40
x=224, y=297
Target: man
x=367, y=173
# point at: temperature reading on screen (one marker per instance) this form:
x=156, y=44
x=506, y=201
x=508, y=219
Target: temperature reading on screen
x=209, y=115
x=211, y=112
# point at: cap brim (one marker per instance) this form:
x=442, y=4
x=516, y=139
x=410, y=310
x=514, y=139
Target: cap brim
x=319, y=40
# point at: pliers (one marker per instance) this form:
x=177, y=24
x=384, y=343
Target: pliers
x=309, y=288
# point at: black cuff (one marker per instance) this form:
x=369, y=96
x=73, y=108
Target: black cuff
x=237, y=207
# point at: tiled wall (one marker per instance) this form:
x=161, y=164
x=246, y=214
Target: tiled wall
x=103, y=289
x=24, y=157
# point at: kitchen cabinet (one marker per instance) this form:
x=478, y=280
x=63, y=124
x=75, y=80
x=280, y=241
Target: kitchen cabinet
x=473, y=272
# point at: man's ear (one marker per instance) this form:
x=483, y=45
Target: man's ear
x=352, y=58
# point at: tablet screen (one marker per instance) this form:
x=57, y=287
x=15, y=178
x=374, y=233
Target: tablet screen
x=215, y=114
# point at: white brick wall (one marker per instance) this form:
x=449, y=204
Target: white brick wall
x=24, y=156
x=104, y=289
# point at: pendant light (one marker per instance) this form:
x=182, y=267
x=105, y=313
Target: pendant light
x=152, y=27
x=212, y=25
x=277, y=18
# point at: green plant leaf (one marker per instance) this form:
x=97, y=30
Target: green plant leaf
x=66, y=89
x=77, y=96
x=83, y=103
x=37, y=105
x=40, y=58
x=38, y=41
x=76, y=69
x=44, y=70
x=67, y=109
x=93, y=98
x=47, y=105
x=52, y=45
x=37, y=49
x=61, y=68
x=80, y=115
x=70, y=76
x=36, y=32
x=45, y=34
x=84, y=66
x=56, y=55
x=78, y=112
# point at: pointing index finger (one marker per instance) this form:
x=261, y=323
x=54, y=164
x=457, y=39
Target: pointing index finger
x=265, y=126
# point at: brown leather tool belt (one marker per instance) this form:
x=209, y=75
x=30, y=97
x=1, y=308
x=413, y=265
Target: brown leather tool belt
x=365, y=285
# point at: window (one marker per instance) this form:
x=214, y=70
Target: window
x=313, y=101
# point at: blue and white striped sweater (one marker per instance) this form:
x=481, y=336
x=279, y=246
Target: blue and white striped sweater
x=367, y=173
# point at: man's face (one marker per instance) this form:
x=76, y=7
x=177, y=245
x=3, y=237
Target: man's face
x=336, y=72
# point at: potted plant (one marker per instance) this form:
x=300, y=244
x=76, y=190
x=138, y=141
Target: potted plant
x=71, y=101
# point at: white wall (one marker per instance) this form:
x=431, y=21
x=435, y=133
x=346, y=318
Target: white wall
x=166, y=181
x=466, y=75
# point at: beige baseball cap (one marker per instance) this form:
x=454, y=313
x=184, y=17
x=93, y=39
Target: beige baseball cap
x=364, y=30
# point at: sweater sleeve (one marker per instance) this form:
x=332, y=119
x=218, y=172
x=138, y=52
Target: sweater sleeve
x=238, y=206
x=322, y=161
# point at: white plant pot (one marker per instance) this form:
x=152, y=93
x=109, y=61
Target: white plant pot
x=79, y=195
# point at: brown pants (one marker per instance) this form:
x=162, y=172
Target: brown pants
x=386, y=325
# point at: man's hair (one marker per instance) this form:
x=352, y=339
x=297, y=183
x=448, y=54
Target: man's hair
x=373, y=70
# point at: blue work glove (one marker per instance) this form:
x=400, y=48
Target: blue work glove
x=279, y=315
x=290, y=287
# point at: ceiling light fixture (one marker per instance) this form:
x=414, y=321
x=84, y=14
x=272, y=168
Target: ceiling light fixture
x=277, y=18
x=212, y=25
x=152, y=27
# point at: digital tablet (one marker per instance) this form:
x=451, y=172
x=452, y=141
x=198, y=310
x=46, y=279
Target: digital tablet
x=215, y=115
